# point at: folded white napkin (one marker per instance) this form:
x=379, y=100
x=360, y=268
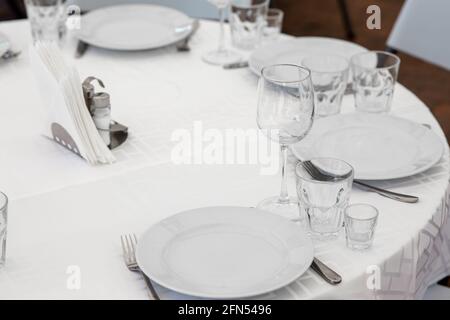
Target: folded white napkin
x=68, y=119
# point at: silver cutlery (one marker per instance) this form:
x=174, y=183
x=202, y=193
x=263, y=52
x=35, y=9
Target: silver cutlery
x=386, y=193
x=183, y=45
x=318, y=174
x=349, y=89
x=10, y=54
x=326, y=272
x=81, y=49
x=129, y=243
x=236, y=65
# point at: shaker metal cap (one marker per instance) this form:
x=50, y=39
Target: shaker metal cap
x=101, y=100
x=88, y=87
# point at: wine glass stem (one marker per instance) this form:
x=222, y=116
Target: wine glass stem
x=222, y=30
x=284, y=196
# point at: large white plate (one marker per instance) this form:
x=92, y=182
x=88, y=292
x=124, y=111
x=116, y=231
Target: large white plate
x=224, y=252
x=378, y=147
x=4, y=44
x=294, y=50
x=134, y=27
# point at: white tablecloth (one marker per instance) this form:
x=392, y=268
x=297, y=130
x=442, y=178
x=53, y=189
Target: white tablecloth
x=66, y=216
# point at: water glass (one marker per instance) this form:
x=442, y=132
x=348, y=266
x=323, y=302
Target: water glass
x=273, y=25
x=323, y=189
x=374, y=77
x=3, y=221
x=329, y=74
x=285, y=113
x=247, y=21
x=46, y=19
x=360, y=221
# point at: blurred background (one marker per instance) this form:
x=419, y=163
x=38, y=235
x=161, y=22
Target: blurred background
x=344, y=19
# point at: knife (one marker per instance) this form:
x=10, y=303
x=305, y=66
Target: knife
x=386, y=193
x=236, y=65
x=325, y=272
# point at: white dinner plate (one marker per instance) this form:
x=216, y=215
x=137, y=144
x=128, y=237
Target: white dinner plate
x=4, y=44
x=294, y=50
x=134, y=27
x=224, y=252
x=379, y=147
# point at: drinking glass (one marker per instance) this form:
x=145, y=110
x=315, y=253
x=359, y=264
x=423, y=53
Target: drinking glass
x=360, y=221
x=273, y=25
x=323, y=189
x=3, y=222
x=285, y=115
x=374, y=77
x=46, y=19
x=222, y=55
x=247, y=21
x=329, y=74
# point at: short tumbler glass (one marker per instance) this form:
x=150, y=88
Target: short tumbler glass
x=46, y=19
x=3, y=222
x=273, y=26
x=374, y=77
x=247, y=22
x=329, y=74
x=323, y=189
x=360, y=221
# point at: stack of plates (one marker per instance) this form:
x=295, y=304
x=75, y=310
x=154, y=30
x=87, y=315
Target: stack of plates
x=224, y=252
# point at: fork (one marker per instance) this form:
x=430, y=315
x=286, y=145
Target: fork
x=318, y=174
x=129, y=243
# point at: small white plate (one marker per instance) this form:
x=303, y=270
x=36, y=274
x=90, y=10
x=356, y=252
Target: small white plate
x=134, y=27
x=293, y=51
x=5, y=45
x=379, y=147
x=224, y=252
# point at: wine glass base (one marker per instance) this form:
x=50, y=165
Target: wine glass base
x=288, y=210
x=221, y=57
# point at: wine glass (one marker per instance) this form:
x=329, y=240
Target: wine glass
x=285, y=115
x=221, y=55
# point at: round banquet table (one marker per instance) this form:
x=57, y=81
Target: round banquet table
x=65, y=217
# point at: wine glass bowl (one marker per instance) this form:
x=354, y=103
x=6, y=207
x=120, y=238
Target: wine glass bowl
x=285, y=115
x=285, y=103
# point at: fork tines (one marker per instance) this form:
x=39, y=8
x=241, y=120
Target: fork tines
x=129, y=242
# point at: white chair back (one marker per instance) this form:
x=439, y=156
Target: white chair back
x=193, y=8
x=422, y=30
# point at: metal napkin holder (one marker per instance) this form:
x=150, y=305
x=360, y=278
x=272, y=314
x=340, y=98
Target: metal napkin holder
x=118, y=133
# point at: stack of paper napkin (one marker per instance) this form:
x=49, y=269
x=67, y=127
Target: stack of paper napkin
x=69, y=122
